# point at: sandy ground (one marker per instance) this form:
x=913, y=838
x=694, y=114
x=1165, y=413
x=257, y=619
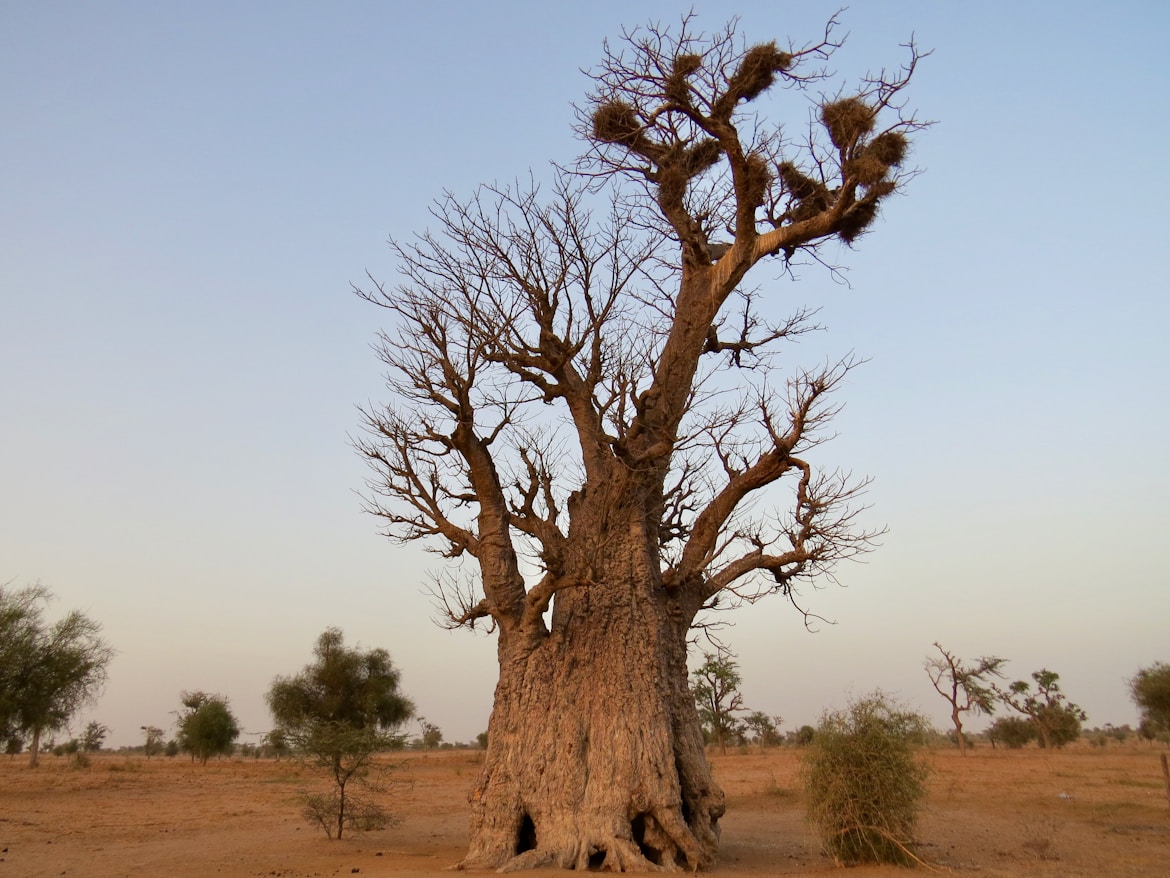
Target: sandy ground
x=1080, y=812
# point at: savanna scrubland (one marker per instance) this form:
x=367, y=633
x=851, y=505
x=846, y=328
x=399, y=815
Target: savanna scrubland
x=1078, y=811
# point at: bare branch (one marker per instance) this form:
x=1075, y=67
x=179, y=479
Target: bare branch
x=550, y=362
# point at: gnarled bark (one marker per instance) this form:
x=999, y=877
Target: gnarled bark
x=595, y=757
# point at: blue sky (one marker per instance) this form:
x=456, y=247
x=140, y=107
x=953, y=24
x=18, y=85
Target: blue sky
x=187, y=190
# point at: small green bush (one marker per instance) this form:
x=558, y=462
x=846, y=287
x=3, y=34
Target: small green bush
x=1011, y=731
x=865, y=783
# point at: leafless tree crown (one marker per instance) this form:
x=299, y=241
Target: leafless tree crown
x=561, y=361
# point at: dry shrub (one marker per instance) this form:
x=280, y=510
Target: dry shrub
x=321, y=809
x=865, y=783
x=361, y=815
x=1040, y=837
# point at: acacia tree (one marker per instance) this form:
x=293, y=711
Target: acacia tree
x=966, y=687
x=93, y=737
x=1150, y=690
x=207, y=727
x=153, y=745
x=338, y=713
x=1056, y=719
x=431, y=735
x=586, y=405
x=765, y=729
x=715, y=688
x=47, y=671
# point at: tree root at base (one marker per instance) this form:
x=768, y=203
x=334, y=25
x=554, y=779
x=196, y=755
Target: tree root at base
x=611, y=854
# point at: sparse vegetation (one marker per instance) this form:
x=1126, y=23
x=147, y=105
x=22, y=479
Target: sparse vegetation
x=803, y=736
x=361, y=815
x=981, y=817
x=430, y=735
x=276, y=744
x=1040, y=837
x=865, y=783
x=347, y=755
x=69, y=748
x=1101, y=737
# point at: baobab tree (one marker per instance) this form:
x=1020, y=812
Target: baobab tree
x=585, y=402
x=966, y=687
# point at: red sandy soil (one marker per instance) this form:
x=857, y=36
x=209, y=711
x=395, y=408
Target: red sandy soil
x=1080, y=812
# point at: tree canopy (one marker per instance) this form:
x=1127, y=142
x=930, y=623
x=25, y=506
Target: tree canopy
x=207, y=726
x=344, y=685
x=1150, y=690
x=337, y=713
x=1013, y=731
x=48, y=671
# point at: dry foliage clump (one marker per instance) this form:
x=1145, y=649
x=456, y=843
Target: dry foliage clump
x=1040, y=837
x=865, y=782
x=359, y=815
x=847, y=120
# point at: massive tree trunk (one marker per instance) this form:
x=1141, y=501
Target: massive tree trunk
x=595, y=757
